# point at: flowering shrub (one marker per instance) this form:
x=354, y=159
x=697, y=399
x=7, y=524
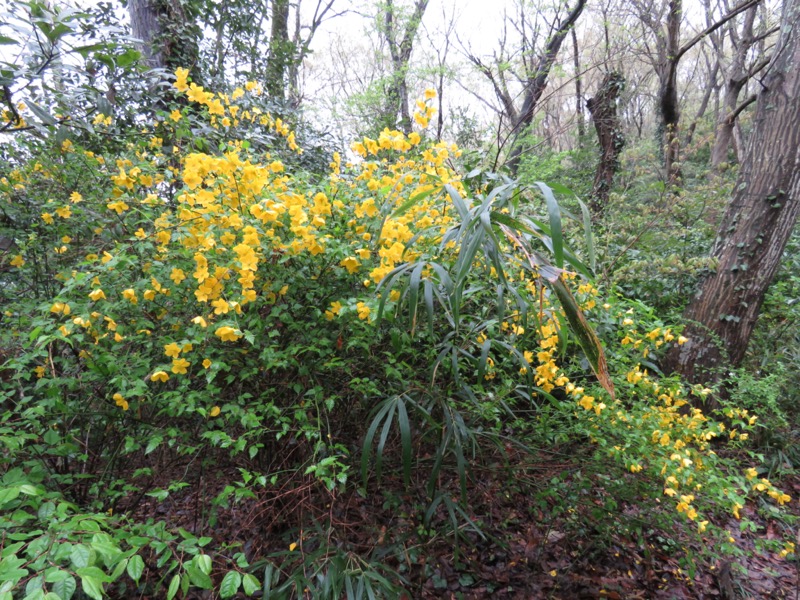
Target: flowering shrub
x=193, y=304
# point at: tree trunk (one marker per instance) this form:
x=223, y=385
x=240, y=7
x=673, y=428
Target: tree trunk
x=757, y=223
x=400, y=51
x=736, y=78
x=281, y=51
x=146, y=26
x=537, y=81
x=668, y=91
x=603, y=108
x=169, y=35
x=578, y=89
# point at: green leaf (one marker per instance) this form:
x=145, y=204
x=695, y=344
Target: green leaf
x=135, y=567
x=66, y=588
x=92, y=587
x=173, y=586
x=250, y=584
x=106, y=547
x=8, y=494
x=94, y=573
x=7, y=41
x=9, y=569
x=203, y=562
x=230, y=584
x=198, y=578
x=80, y=555
x=554, y=211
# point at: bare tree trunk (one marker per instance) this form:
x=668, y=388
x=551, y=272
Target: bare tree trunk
x=281, y=51
x=668, y=90
x=578, y=88
x=603, y=108
x=537, y=81
x=146, y=26
x=756, y=225
x=711, y=84
x=400, y=52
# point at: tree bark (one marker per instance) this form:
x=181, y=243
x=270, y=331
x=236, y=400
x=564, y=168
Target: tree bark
x=537, y=81
x=400, y=51
x=603, y=108
x=756, y=226
x=281, y=51
x=146, y=26
x=578, y=89
x=169, y=35
x=736, y=78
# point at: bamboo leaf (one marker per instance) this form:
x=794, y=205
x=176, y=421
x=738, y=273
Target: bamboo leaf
x=554, y=212
x=588, y=340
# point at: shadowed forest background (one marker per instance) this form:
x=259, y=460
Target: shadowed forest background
x=399, y=299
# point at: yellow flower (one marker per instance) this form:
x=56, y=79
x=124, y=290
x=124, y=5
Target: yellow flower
x=40, y=371
x=200, y=321
x=179, y=366
x=214, y=412
x=17, y=261
x=60, y=308
x=207, y=363
x=47, y=218
x=682, y=340
x=172, y=350
x=130, y=295
x=149, y=295
x=159, y=376
x=180, y=79
x=227, y=334
x=430, y=93
x=175, y=115
x=334, y=310
x=177, y=275
x=75, y=197
x=350, y=263
x=120, y=401
x=97, y=295
x=221, y=307
x=363, y=311
x=64, y=212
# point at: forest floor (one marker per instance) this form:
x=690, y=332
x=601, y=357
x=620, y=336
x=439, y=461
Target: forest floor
x=548, y=526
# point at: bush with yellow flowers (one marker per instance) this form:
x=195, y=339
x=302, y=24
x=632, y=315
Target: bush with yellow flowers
x=185, y=307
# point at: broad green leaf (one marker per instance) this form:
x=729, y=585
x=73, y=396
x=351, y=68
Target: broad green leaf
x=10, y=569
x=250, y=584
x=66, y=588
x=94, y=573
x=80, y=555
x=203, y=562
x=198, y=578
x=92, y=587
x=135, y=567
x=173, y=586
x=230, y=584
